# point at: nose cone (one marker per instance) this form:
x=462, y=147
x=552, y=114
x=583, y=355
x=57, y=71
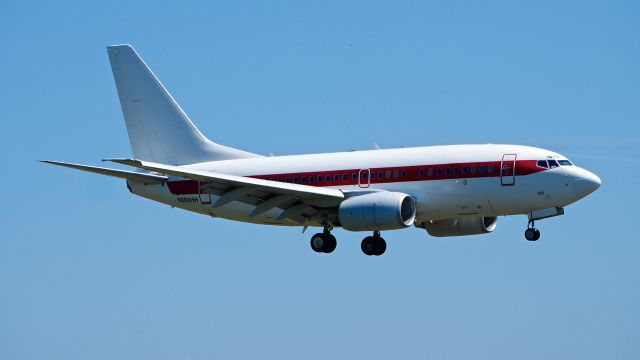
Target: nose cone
x=586, y=182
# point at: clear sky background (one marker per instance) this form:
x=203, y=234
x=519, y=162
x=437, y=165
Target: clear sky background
x=89, y=271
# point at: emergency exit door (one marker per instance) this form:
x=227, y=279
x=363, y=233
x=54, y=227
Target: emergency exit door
x=363, y=178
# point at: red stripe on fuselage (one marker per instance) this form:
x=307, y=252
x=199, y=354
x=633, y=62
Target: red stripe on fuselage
x=413, y=173
x=183, y=187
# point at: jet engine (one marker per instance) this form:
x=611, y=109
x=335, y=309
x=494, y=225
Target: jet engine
x=460, y=226
x=377, y=211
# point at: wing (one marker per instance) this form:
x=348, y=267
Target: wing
x=300, y=203
x=129, y=175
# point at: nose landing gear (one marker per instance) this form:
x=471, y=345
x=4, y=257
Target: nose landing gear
x=532, y=234
x=373, y=245
x=324, y=242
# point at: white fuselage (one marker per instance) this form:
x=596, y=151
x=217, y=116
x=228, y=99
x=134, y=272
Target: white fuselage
x=445, y=181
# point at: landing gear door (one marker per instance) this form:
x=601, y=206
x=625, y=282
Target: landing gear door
x=363, y=178
x=508, y=170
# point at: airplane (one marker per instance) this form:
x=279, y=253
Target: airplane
x=451, y=190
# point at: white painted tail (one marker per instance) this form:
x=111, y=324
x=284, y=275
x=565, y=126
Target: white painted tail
x=159, y=130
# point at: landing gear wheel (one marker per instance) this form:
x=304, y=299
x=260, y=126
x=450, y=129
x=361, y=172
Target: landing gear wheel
x=381, y=246
x=532, y=234
x=368, y=246
x=373, y=245
x=323, y=243
x=537, y=236
x=331, y=243
x=318, y=242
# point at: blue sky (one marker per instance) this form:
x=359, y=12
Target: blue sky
x=89, y=271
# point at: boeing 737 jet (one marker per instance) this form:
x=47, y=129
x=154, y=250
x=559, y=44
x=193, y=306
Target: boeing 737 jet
x=447, y=190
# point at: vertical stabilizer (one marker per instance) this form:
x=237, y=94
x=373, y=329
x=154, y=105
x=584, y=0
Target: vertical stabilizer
x=159, y=130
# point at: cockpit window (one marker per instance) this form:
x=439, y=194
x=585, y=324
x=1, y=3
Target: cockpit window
x=565, y=162
x=543, y=164
x=553, y=164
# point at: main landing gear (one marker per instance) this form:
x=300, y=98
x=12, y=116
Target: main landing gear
x=373, y=245
x=324, y=242
x=532, y=234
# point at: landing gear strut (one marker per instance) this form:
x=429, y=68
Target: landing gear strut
x=324, y=242
x=532, y=234
x=373, y=245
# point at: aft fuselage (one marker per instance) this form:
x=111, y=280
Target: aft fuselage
x=445, y=181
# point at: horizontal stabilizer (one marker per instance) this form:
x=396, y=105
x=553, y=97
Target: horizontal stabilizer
x=129, y=175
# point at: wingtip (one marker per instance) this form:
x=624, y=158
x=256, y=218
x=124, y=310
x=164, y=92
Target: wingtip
x=117, y=159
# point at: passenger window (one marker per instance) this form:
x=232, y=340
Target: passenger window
x=543, y=164
x=354, y=176
x=404, y=173
x=473, y=169
x=303, y=180
x=464, y=169
x=295, y=179
x=565, y=162
x=388, y=174
x=447, y=171
x=430, y=172
x=380, y=175
x=455, y=171
x=373, y=174
x=481, y=169
x=320, y=178
x=336, y=177
x=328, y=178
x=396, y=173
x=280, y=179
x=344, y=177
x=364, y=175
x=490, y=168
x=553, y=164
x=439, y=171
x=421, y=172
x=287, y=180
x=311, y=178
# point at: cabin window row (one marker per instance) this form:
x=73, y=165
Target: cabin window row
x=386, y=174
x=464, y=170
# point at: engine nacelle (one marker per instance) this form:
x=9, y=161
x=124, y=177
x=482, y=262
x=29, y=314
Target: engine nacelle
x=460, y=226
x=377, y=211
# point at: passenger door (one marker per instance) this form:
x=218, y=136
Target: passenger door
x=508, y=170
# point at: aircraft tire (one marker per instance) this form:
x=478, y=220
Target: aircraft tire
x=537, y=234
x=318, y=242
x=330, y=243
x=381, y=246
x=530, y=234
x=368, y=246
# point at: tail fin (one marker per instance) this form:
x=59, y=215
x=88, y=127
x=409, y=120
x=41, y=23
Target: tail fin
x=159, y=130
